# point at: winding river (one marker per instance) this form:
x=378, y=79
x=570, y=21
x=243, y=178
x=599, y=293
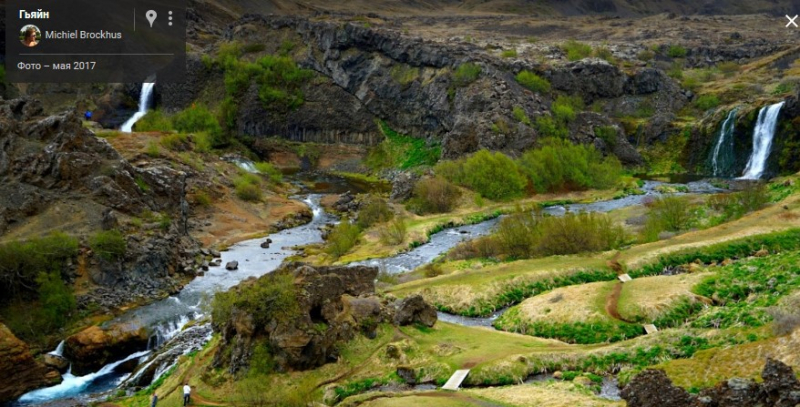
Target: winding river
x=169, y=319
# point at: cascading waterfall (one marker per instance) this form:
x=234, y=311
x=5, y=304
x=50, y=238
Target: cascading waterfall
x=722, y=155
x=144, y=98
x=762, y=141
x=59, y=351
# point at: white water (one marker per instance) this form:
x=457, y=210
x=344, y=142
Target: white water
x=74, y=385
x=59, y=351
x=144, y=98
x=762, y=141
x=725, y=133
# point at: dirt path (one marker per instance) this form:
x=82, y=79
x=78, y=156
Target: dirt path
x=613, y=301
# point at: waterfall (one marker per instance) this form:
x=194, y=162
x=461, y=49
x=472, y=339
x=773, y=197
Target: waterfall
x=147, y=92
x=722, y=156
x=59, y=351
x=762, y=141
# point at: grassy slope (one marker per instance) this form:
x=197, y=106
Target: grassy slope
x=650, y=297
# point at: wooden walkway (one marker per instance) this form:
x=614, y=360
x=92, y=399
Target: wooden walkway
x=456, y=379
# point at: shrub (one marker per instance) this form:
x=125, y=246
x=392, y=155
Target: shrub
x=152, y=150
x=57, y=300
x=375, y=210
x=174, y=142
x=509, y=53
x=342, y=238
x=436, y=194
x=154, y=120
x=248, y=187
x=670, y=213
x=271, y=296
x=265, y=168
x=401, y=151
x=393, y=233
x=676, y=51
x=110, y=245
x=21, y=262
x=404, y=74
x=564, y=108
x=608, y=134
x=576, y=50
x=707, y=102
x=559, y=165
x=547, y=127
x=675, y=71
x=493, y=175
x=604, y=53
x=196, y=118
x=520, y=115
x=202, y=198
x=432, y=270
x=533, y=82
x=465, y=74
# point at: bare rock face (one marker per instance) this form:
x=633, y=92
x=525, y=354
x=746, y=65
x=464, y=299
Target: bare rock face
x=19, y=372
x=413, y=310
x=779, y=389
x=334, y=305
x=56, y=362
x=94, y=347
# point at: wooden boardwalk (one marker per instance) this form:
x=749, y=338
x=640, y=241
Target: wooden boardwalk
x=456, y=379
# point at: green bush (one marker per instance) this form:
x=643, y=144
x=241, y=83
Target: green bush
x=272, y=296
x=533, y=82
x=21, y=262
x=152, y=150
x=608, y=134
x=56, y=299
x=576, y=50
x=646, y=55
x=404, y=74
x=342, y=238
x=195, y=119
x=676, y=51
x=394, y=232
x=564, y=108
x=248, y=192
x=559, y=165
x=465, y=74
x=493, y=175
x=520, y=115
x=509, y=53
x=707, y=102
x=374, y=210
x=174, y=142
x=549, y=128
x=110, y=245
x=154, y=120
x=275, y=176
x=434, y=195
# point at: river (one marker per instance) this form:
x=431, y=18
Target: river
x=168, y=318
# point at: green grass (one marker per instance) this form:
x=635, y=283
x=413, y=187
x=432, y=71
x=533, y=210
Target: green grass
x=576, y=50
x=533, y=82
x=401, y=151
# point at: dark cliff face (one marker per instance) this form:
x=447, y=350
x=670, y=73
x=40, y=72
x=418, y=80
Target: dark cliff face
x=367, y=74
x=58, y=175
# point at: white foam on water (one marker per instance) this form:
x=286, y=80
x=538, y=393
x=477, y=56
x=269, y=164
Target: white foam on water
x=763, y=134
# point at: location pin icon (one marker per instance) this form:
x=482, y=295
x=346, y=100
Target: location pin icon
x=151, y=16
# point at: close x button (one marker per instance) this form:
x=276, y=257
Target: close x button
x=792, y=21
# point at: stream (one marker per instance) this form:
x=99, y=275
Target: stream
x=171, y=320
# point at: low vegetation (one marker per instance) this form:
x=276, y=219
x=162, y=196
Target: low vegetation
x=110, y=245
x=559, y=165
x=527, y=234
x=342, y=238
x=434, y=195
x=399, y=151
x=533, y=82
x=491, y=174
x=576, y=50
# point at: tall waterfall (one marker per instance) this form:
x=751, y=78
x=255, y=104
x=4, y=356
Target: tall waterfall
x=722, y=155
x=762, y=141
x=144, y=98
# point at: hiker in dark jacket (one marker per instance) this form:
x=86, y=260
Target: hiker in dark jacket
x=154, y=400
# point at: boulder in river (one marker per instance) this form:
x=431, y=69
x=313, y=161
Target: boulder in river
x=56, y=362
x=232, y=265
x=19, y=371
x=95, y=347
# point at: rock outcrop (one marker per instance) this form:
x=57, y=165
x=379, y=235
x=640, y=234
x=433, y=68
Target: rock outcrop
x=94, y=347
x=333, y=305
x=55, y=171
x=368, y=74
x=780, y=388
x=19, y=371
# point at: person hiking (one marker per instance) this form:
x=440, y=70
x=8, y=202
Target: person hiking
x=187, y=391
x=154, y=400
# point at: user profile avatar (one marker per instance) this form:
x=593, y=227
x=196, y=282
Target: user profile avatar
x=30, y=35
